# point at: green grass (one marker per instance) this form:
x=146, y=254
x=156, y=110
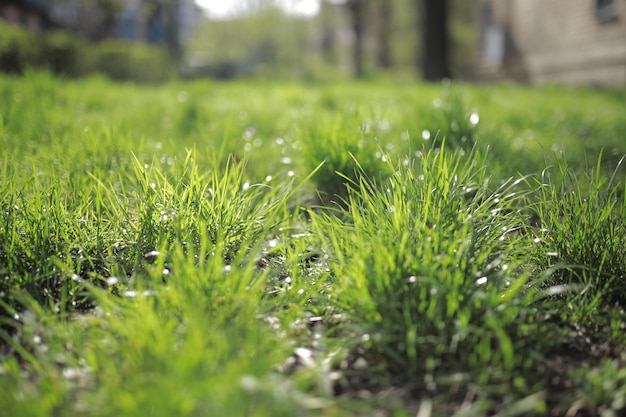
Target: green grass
x=265, y=249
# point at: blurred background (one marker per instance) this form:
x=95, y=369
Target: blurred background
x=581, y=42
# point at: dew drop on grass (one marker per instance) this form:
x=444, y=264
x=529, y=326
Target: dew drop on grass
x=481, y=281
x=425, y=134
x=112, y=281
x=286, y=160
x=268, y=178
x=249, y=133
x=249, y=383
x=360, y=363
x=166, y=271
x=227, y=268
x=290, y=173
x=474, y=118
x=182, y=96
x=557, y=289
x=553, y=254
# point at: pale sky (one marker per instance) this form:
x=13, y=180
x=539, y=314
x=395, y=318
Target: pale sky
x=224, y=8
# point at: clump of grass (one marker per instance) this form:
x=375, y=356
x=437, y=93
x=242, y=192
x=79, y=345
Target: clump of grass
x=52, y=239
x=184, y=319
x=602, y=389
x=337, y=144
x=451, y=120
x=197, y=338
x=583, y=231
x=428, y=265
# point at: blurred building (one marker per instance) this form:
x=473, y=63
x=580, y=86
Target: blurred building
x=564, y=41
x=154, y=21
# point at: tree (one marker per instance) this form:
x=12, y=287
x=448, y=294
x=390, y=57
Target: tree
x=384, y=13
x=164, y=12
x=107, y=11
x=357, y=12
x=435, y=65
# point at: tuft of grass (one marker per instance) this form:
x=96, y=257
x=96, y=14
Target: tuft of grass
x=428, y=265
x=197, y=338
x=582, y=219
x=53, y=237
x=337, y=144
x=602, y=389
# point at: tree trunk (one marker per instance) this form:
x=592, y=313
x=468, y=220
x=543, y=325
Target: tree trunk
x=171, y=29
x=385, y=13
x=328, y=37
x=357, y=20
x=435, y=64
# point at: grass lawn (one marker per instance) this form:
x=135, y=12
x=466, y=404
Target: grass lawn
x=272, y=249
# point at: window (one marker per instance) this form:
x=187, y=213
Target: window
x=605, y=9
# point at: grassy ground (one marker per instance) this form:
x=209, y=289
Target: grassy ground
x=370, y=249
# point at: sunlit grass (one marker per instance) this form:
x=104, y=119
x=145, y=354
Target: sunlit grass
x=279, y=249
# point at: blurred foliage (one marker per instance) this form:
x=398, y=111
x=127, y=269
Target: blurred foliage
x=65, y=54
x=264, y=41
x=16, y=52
x=269, y=41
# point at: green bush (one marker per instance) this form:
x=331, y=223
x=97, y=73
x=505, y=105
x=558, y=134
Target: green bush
x=63, y=53
x=121, y=60
x=18, y=49
x=66, y=54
